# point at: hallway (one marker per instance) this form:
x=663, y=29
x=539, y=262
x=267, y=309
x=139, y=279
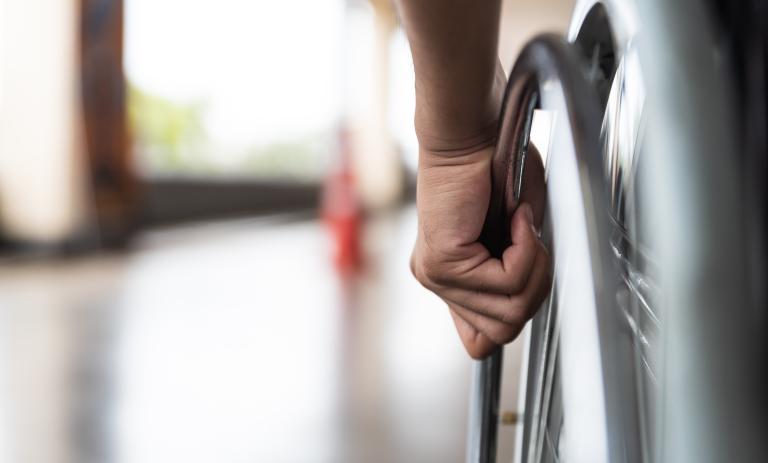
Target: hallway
x=233, y=342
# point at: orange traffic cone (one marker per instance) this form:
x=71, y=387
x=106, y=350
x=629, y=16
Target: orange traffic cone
x=341, y=210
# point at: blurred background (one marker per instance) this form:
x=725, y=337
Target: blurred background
x=206, y=215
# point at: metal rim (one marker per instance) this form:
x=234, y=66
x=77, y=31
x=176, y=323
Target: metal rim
x=549, y=73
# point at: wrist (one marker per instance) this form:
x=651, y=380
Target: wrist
x=452, y=122
x=438, y=161
x=471, y=142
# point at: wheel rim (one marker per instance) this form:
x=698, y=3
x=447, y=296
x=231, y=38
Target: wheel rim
x=549, y=71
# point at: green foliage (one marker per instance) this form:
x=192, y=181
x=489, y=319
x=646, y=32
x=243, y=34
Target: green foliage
x=170, y=138
x=163, y=129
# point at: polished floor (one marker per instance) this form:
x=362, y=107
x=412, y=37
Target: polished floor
x=231, y=342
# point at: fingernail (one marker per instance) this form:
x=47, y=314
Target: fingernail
x=528, y=212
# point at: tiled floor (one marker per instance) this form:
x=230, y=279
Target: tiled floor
x=233, y=342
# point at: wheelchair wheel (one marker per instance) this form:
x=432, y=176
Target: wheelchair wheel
x=567, y=410
x=651, y=345
x=548, y=76
x=678, y=318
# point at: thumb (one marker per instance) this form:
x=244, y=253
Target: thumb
x=522, y=225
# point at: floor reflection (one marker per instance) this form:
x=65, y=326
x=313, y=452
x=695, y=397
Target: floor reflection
x=232, y=342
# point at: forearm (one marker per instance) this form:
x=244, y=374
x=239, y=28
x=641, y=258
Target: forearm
x=459, y=81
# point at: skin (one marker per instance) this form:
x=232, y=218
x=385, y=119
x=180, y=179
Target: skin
x=459, y=87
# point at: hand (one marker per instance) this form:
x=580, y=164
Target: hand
x=489, y=299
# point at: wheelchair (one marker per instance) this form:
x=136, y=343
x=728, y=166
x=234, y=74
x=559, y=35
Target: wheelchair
x=651, y=345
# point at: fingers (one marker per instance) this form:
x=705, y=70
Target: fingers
x=477, y=345
x=534, y=189
x=484, y=320
x=499, y=333
x=482, y=326
x=513, y=309
x=490, y=299
x=472, y=267
x=510, y=273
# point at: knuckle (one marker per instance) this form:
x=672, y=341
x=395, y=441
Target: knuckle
x=427, y=276
x=517, y=281
x=422, y=268
x=521, y=272
x=436, y=273
x=514, y=317
x=417, y=269
x=477, y=352
x=543, y=247
x=420, y=275
x=529, y=305
x=429, y=272
x=503, y=334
